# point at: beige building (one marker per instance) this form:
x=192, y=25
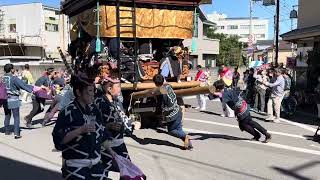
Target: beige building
x=267, y=54
x=207, y=49
x=31, y=32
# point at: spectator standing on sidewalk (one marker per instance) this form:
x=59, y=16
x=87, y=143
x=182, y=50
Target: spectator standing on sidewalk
x=261, y=78
x=274, y=104
x=251, y=88
x=235, y=78
x=245, y=79
x=203, y=79
x=288, y=82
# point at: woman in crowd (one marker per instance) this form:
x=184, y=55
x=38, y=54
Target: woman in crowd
x=79, y=134
x=115, y=120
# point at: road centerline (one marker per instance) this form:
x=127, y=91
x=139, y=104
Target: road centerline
x=234, y=126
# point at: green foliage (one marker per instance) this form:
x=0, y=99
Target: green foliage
x=230, y=48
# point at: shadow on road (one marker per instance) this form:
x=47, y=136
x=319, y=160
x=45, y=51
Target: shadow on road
x=293, y=173
x=314, y=138
x=211, y=113
x=215, y=136
x=146, y=141
x=15, y=170
x=197, y=163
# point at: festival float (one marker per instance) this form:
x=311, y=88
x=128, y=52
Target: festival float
x=132, y=39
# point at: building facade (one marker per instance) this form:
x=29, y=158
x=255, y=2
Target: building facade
x=240, y=26
x=264, y=50
x=205, y=50
x=307, y=38
x=32, y=30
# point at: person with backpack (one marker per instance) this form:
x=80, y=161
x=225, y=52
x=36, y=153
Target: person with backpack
x=12, y=106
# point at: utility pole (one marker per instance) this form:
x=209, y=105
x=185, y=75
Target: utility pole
x=250, y=37
x=277, y=31
x=250, y=29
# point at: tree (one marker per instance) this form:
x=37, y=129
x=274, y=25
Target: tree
x=230, y=48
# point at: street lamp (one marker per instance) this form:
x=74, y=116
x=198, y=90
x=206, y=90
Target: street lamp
x=269, y=2
x=294, y=14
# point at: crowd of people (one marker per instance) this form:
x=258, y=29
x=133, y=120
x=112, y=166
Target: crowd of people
x=92, y=122
x=267, y=87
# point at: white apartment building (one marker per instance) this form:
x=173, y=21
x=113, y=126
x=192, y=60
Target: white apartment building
x=37, y=29
x=241, y=26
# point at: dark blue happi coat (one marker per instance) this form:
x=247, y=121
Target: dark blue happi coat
x=112, y=112
x=85, y=146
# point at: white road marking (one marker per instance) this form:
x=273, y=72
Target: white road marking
x=194, y=97
x=233, y=126
x=270, y=144
x=315, y=146
x=303, y=126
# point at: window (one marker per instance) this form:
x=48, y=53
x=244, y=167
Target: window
x=260, y=26
x=260, y=35
x=232, y=27
x=220, y=27
x=52, y=18
x=13, y=28
x=52, y=27
x=244, y=26
x=244, y=35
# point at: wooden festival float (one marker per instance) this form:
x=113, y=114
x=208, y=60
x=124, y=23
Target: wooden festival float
x=131, y=37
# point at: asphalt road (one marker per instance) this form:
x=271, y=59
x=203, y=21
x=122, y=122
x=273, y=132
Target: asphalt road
x=221, y=151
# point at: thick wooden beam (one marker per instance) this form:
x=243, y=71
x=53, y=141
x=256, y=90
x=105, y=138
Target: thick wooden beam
x=180, y=92
x=144, y=86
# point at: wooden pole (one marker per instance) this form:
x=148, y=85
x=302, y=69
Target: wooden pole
x=180, y=93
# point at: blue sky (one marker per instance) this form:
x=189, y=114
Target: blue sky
x=232, y=8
